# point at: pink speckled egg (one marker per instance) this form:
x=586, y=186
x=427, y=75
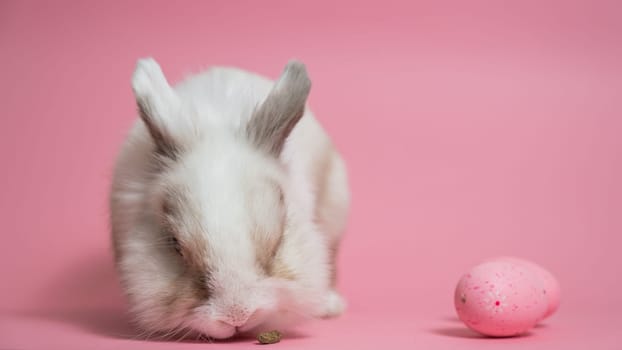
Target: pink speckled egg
x=550, y=285
x=500, y=298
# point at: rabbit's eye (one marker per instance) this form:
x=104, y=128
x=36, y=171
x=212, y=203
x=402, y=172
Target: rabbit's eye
x=176, y=245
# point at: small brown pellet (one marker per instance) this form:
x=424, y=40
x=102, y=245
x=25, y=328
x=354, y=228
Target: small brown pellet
x=269, y=337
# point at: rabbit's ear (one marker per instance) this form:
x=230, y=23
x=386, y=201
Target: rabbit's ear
x=275, y=118
x=158, y=106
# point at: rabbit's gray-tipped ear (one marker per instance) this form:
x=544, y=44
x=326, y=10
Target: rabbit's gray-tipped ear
x=158, y=105
x=275, y=118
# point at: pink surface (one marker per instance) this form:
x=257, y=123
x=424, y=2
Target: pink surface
x=471, y=130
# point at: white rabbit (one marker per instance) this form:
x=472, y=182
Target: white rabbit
x=227, y=204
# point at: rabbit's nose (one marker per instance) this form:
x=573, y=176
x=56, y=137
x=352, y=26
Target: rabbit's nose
x=237, y=315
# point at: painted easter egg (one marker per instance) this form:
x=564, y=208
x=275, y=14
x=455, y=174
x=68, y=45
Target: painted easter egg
x=500, y=298
x=550, y=285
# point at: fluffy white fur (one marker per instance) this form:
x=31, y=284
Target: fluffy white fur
x=234, y=196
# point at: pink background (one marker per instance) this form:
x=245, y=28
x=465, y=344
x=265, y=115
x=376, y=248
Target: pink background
x=470, y=131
